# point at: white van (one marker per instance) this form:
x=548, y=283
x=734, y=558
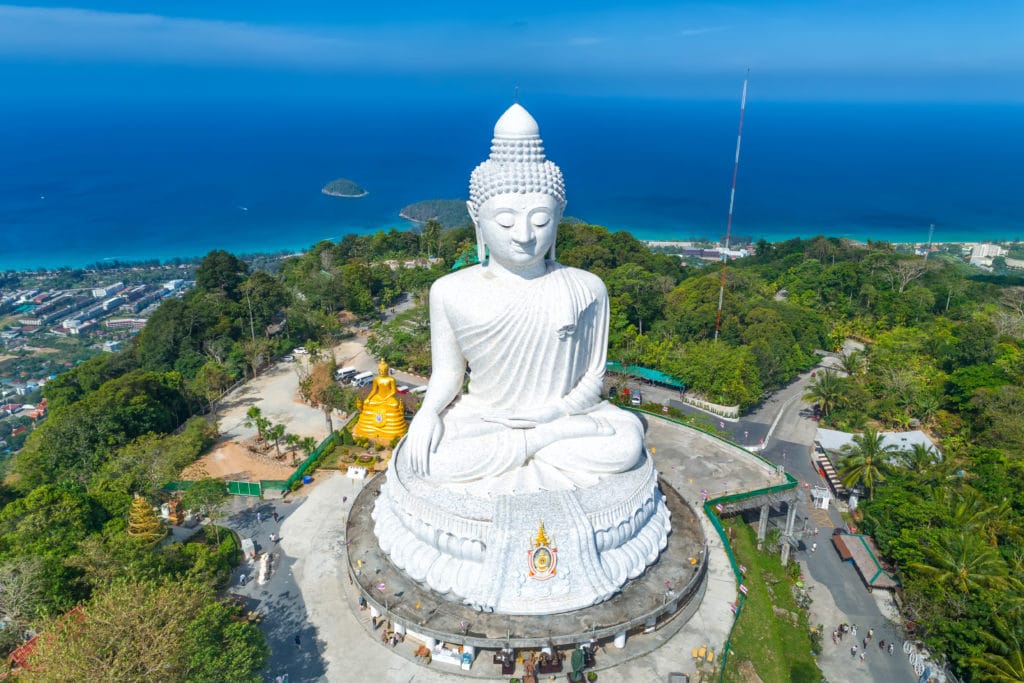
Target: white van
x=362, y=379
x=345, y=374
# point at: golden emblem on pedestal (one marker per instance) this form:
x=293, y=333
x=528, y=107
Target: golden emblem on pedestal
x=382, y=417
x=542, y=557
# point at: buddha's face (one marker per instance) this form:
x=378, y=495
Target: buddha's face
x=519, y=229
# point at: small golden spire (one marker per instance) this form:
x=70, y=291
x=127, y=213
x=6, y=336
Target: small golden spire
x=542, y=537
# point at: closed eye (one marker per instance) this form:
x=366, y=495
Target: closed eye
x=505, y=219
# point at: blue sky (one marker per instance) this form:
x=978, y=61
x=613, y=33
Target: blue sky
x=826, y=49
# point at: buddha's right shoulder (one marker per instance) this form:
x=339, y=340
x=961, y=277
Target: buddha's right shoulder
x=453, y=283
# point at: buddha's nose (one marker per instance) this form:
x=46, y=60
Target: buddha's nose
x=522, y=231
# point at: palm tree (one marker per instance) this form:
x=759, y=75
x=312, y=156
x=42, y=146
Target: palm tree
x=919, y=459
x=276, y=434
x=826, y=390
x=1004, y=660
x=852, y=363
x=254, y=418
x=963, y=560
x=865, y=460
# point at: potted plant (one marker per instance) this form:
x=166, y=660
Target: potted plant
x=591, y=676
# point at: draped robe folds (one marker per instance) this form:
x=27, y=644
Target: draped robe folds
x=547, y=346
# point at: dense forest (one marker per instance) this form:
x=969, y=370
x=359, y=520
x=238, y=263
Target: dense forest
x=943, y=351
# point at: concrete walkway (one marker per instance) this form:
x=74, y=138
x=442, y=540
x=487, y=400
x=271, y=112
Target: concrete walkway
x=310, y=595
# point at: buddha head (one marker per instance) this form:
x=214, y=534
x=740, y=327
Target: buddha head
x=517, y=196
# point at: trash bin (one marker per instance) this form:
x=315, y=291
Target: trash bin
x=307, y=479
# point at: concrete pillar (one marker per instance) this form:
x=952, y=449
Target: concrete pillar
x=788, y=532
x=762, y=526
x=374, y=612
x=620, y=640
x=791, y=517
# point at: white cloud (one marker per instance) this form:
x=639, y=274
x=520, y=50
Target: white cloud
x=90, y=34
x=701, y=30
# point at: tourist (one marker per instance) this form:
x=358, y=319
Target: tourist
x=835, y=638
x=890, y=649
x=276, y=516
x=814, y=546
x=815, y=531
x=881, y=644
x=864, y=643
x=853, y=630
x=853, y=650
x=871, y=633
x=862, y=654
x=241, y=579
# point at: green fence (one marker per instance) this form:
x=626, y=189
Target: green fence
x=309, y=462
x=244, y=488
x=251, y=488
x=712, y=513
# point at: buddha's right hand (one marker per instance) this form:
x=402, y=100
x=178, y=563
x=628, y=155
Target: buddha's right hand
x=424, y=436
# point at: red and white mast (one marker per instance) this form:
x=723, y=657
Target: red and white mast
x=732, y=200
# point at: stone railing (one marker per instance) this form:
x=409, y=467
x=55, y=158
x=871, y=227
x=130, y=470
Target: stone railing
x=697, y=401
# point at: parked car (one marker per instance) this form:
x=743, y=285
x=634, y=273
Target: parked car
x=419, y=390
x=300, y=350
x=636, y=399
x=288, y=358
x=402, y=389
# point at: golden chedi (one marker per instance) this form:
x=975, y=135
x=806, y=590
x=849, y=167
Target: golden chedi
x=382, y=418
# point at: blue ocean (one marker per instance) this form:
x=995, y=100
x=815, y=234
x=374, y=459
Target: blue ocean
x=83, y=184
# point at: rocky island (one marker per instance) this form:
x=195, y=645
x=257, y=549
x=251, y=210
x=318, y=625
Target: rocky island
x=343, y=187
x=450, y=213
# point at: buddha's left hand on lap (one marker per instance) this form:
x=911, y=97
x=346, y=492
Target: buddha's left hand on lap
x=528, y=418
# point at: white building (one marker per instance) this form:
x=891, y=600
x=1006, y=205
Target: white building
x=982, y=254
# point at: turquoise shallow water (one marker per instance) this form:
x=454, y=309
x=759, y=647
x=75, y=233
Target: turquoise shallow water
x=132, y=183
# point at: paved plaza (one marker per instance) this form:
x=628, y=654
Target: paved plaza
x=310, y=597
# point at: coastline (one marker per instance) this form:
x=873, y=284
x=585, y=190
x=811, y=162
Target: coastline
x=287, y=249
x=401, y=214
x=345, y=196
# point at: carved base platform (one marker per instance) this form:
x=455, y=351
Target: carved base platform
x=490, y=554
x=665, y=596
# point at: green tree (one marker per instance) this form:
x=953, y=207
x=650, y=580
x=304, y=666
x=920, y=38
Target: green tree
x=827, y=390
x=149, y=630
x=221, y=272
x=276, y=434
x=254, y=419
x=1004, y=660
x=865, y=461
x=963, y=561
x=220, y=647
x=209, y=493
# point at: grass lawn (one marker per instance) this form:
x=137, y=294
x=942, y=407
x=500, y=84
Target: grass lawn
x=779, y=650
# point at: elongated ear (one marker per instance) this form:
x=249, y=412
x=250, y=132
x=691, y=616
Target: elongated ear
x=551, y=251
x=481, y=249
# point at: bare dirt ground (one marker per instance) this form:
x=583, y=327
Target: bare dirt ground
x=234, y=461
x=276, y=393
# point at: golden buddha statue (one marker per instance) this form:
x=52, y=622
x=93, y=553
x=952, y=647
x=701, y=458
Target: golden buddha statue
x=382, y=418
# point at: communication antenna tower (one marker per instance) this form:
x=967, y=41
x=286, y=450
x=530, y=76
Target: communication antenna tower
x=732, y=200
x=931, y=231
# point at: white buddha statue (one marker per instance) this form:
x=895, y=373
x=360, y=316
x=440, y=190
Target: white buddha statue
x=530, y=438
x=534, y=336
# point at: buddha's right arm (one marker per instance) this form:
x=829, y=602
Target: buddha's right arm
x=448, y=365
